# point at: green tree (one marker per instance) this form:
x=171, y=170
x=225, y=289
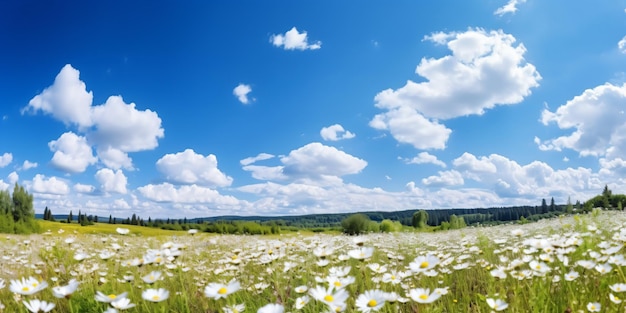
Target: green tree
x=544, y=206
x=420, y=219
x=569, y=208
x=70, y=217
x=355, y=224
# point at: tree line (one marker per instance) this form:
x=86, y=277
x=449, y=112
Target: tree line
x=17, y=215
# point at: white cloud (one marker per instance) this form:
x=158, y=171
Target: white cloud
x=241, y=92
x=167, y=192
x=597, y=119
x=408, y=126
x=115, y=158
x=485, y=69
x=83, y=188
x=4, y=186
x=28, y=165
x=294, y=40
x=115, y=128
x=259, y=157
x=13, y=178
x=188, y=167
x=111, y=181
x=314, y=163
x=52, y=185
x=121, y=126
x=316, y=159
x=426, y=158
x=510, y=7
x=335, y=132
x=67, y=99
x=537, y=179
x=71, y=153
x=621, y=45
x=445, y=178
x=120, y=204
x=5, y=159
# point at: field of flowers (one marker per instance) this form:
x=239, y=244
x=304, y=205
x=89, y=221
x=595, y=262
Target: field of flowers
x=569, y=264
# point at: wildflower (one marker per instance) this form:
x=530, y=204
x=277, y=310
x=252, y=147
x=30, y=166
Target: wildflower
x=424, y=263
x=111, y=310
x=340, y=282
x=302, y=301
x=423, y=295
x=152, y=277
x=122, y=304
x=65, y=291
x=1, y=283
x=594, y=307
x=393, y=278
x=236, y=308
x=603, y=268
x=101, y=297
x=497, y=304
x=27, y=286
x=371, y=300
x=498, y=273
x=571, y=275
x=614, y=298
x=330, y=298
x=39, y=306
x=122, y=231
x=271, y=308
x=301, y=289
x=361, y=253
x=618, y=287
x=217, y=290
x=155, y=295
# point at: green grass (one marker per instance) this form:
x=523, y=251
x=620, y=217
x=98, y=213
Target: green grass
x=466, y=259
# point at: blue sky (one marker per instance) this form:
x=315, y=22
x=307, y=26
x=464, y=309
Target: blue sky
x=242, y=107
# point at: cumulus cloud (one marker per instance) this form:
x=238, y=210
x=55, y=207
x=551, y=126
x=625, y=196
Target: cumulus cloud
x=510, y=7
x=189, y=167
x=52, y=185
x=4, y=186
x=485, y=69
x=335, y=132
x=241, y=92
x=115, y=128
x=111, y=181
x=83, y=188
x=597, y=120
x=445, y=178
x=66, y=100
x=426, y=158
x=509, y=179
x=313, y=162
x=259, y=157
x=294, y=40
x=621, y=45
x=121, y=126
x=13, y=178
x=408, y=126
x=72, y=153
x=28, y=165
x=167, y=192
x=5, y=159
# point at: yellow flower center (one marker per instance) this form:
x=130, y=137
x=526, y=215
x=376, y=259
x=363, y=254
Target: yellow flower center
x=112, y=296
x=328, y=298
x=593, y=307
x=222, y=291
x=25, y=288
x=235, y=311
x=158, y=260
x=424, y=264
x=423, y=297
x=34, y=285
x=234, y=257
x=372, y=303
x=156, y=298
x=337, y=284
x=538, y=267
x=151, y=277
x=393, y=277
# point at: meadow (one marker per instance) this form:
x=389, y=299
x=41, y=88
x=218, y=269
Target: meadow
x=567, y=264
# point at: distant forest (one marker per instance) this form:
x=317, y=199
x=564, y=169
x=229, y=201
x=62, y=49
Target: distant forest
x=273, y=224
